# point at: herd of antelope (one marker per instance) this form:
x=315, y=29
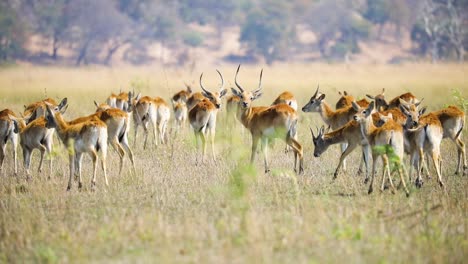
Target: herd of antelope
x=399, y=123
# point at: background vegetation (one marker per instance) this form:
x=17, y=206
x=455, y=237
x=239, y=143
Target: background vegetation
x=85, y=31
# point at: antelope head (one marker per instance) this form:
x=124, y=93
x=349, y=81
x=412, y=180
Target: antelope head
x=215, y=97
x=246, y=97
x=314, y=103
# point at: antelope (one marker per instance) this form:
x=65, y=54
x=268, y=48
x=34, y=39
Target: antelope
x=117, y=123
x=453, y=122
x=350, y=133
x=232, y=106
x=286, y=98
x=151, y=110
x=423, y=133
x=334, y=119
x=346, y=101
x=277, y=121
x=382, y=104
x=38, y=109
x=180, y=113
x=391, y=133
x=7, y=132
x=194, y=99
x=202, y=116
x=88, y=137
x=120, y=101
x=182, y=95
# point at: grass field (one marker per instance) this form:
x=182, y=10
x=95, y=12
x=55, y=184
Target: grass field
x=174, y=211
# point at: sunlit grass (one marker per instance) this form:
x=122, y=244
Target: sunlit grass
x=173, y=210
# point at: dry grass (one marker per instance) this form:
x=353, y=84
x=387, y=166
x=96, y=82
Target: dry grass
x=174, y=211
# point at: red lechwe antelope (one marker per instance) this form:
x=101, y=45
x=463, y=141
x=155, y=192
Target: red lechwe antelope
x=202, y=116
x=121, y=101
x=382, y=104
x=151, y=110
x=117, y=122
x=7, y=132
x=36, y=135
x=334, y=119
x=277, y=121
x=87, y=137
x=423, y=133
x=183, y=95
x=391, y=133
x=286, y=98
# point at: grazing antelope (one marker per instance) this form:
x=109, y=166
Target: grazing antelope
x=202, y=116
x=286, y=98
x=350, y=133
x=423, y=133
x=89, y=137
x=151, y=110
x=117, y=123
x=334, y=119
x=7, y=132
x=382, y=104
x=391, y=133
x=277, y=121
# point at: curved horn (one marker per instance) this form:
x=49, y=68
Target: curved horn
x=222, y=80
x=311, y=131
x=201, y=85
x=235, y=80
x=259, y=83
x=316, y=91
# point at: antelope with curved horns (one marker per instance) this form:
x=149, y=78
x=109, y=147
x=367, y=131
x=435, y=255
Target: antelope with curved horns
x=202, y=116
x=277, y=121
x=391, y=133
x=87, y=137
x=151, y=110
x=334, y=119
x=382, y=104
x=8, y=133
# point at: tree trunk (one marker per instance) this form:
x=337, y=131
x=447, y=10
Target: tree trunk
x=82, y=54
x=111, y=53
x=55, y=47
x=434, y=51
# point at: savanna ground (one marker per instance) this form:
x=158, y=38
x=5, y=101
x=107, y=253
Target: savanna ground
x=174, y=211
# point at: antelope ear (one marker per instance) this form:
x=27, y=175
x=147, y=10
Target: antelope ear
x=370, y=96
x=321, y=97
x=222, y=93
x=137, y=98
x=64, y=109
x=422, y=111
x=256, y=96
x=63, y=103
x=96, y=104
x=345, y=92
x=235, y=92
x=371, y=106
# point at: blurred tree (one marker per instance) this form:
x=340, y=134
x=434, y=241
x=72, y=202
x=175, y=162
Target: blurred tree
x=338, y=27
x=269, y=31
x=12, y=32
x=95, y=23
x=378, y=13
x=52, y=22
